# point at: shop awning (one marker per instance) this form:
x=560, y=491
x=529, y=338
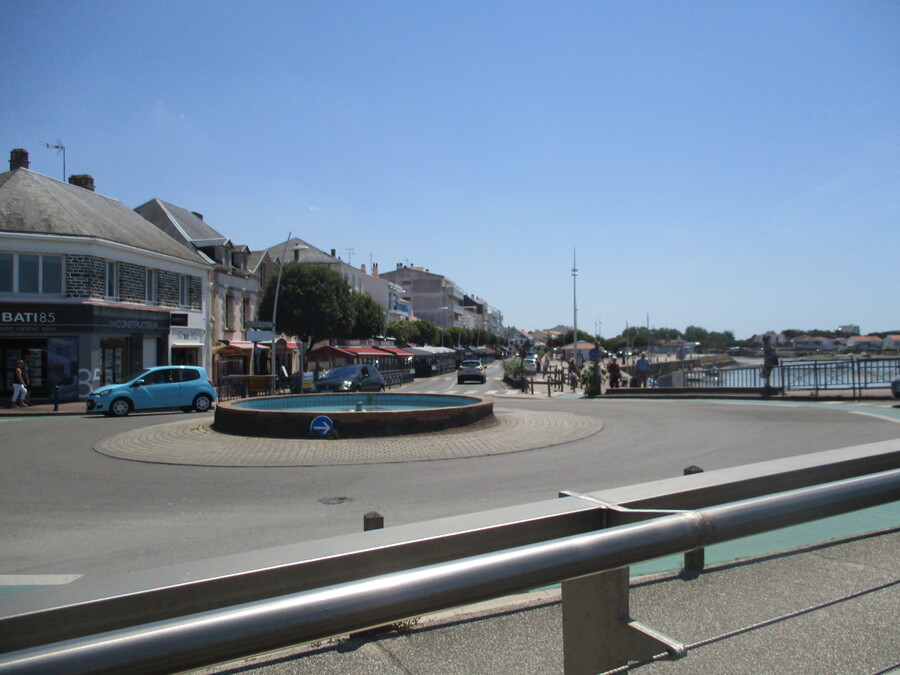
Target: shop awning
x=396, y=351
x=366, y=352
x=328, y=350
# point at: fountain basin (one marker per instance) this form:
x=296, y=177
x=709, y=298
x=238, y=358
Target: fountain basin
x=355, y=415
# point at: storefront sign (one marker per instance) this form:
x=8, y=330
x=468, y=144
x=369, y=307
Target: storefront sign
x=26, y=318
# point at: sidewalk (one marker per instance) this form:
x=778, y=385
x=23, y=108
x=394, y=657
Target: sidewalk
x=40, y=407
x=823, y=608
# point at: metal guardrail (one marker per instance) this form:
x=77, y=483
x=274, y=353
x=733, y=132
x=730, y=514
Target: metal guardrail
x=808, y=375
x=191, y=615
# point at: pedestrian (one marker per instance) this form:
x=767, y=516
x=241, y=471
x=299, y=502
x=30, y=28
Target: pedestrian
x=573, y=374
x=615, y=373
x=19, y=389
x=770, y=361
x=642, y=370
x=26, y=359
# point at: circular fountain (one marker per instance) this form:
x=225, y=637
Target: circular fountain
x=354, y=415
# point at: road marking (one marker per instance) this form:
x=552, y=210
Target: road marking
x=37, y=579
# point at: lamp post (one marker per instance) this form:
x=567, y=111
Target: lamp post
x=444, y=328
x=574, y=308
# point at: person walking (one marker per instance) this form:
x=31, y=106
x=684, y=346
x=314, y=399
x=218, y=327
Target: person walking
x=615, y=373
x=573, y=374
x=26, y=359
x=642, y=370
x=19, y=389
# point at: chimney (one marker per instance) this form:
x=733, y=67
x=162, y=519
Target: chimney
x=83, y=180
x=333, y=253
x=18, y=159
x=199, y=215
x=374, y=269
x=362, y=268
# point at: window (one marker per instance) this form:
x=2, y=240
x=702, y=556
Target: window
x=112, y=279
x=31, y=273
x=150, y=291
x=183, y=290
x=229, y=312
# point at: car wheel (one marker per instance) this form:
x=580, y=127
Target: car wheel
x=202, y=402
x=459, y=381
x=120, y=407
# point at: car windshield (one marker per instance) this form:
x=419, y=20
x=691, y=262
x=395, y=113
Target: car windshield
x=471, y=364
x=342, y=371
x=133, y=376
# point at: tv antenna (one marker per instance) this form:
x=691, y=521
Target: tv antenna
x=350, y=252
x=60, y=148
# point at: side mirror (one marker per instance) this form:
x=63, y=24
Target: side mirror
x=138, y=383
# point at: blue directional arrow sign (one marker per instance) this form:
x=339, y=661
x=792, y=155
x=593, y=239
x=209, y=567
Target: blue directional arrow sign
x=321, y=426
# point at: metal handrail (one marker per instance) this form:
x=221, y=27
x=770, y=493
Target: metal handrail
x=648, y=522
x=215, y=636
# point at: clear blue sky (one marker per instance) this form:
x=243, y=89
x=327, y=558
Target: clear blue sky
x=731, y=165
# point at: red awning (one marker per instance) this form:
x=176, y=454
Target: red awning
x=328, y=350
x=396, y=351
x=366, y=352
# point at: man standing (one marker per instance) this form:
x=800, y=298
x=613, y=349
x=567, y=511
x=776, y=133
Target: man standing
x=642, y=370
x=615, y=373
x=19, y=390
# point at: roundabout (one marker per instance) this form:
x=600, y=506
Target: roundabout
x=194, y=442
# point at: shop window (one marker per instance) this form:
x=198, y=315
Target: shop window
x=31, y=273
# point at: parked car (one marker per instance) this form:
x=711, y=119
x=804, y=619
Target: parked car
x=471, y=369
x=895, y=387
x=359, y=377
x=185, y=387
x=530, y=363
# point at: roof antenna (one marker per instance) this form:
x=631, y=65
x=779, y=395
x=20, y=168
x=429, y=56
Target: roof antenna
x=59, y=147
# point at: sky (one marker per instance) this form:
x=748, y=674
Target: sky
x=728, y=165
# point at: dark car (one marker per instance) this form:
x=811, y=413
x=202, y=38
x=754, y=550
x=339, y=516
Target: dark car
x=361, y=377
x=895, y=387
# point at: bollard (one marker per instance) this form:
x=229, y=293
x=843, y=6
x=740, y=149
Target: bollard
x=373, y=521
x=693, y=560
x=56, y=399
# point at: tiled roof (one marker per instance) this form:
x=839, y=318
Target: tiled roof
x=35, y=204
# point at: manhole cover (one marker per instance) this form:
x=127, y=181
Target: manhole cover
x=328, y=501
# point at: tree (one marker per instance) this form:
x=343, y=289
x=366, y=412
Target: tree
x=401, y=331
x=368, y=317
x=314, y=302
x=695, y=334
x=427, y=333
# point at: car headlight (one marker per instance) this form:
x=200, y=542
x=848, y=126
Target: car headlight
x=346, y=385
x=103, y=393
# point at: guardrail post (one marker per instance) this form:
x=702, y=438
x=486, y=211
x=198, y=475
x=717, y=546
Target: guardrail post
x=598, y=633
x=694, y=560
x=373, y=521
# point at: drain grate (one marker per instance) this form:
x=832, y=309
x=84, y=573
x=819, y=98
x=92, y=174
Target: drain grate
x=328, y=501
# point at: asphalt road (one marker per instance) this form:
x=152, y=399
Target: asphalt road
x=65, y=509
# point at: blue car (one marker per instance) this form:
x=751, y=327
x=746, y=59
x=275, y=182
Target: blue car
x=184, y=387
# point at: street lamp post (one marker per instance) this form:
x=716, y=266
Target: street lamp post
x=444, y=328
x=574, y=308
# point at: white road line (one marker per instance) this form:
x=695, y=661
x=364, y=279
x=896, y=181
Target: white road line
x=37, y=579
